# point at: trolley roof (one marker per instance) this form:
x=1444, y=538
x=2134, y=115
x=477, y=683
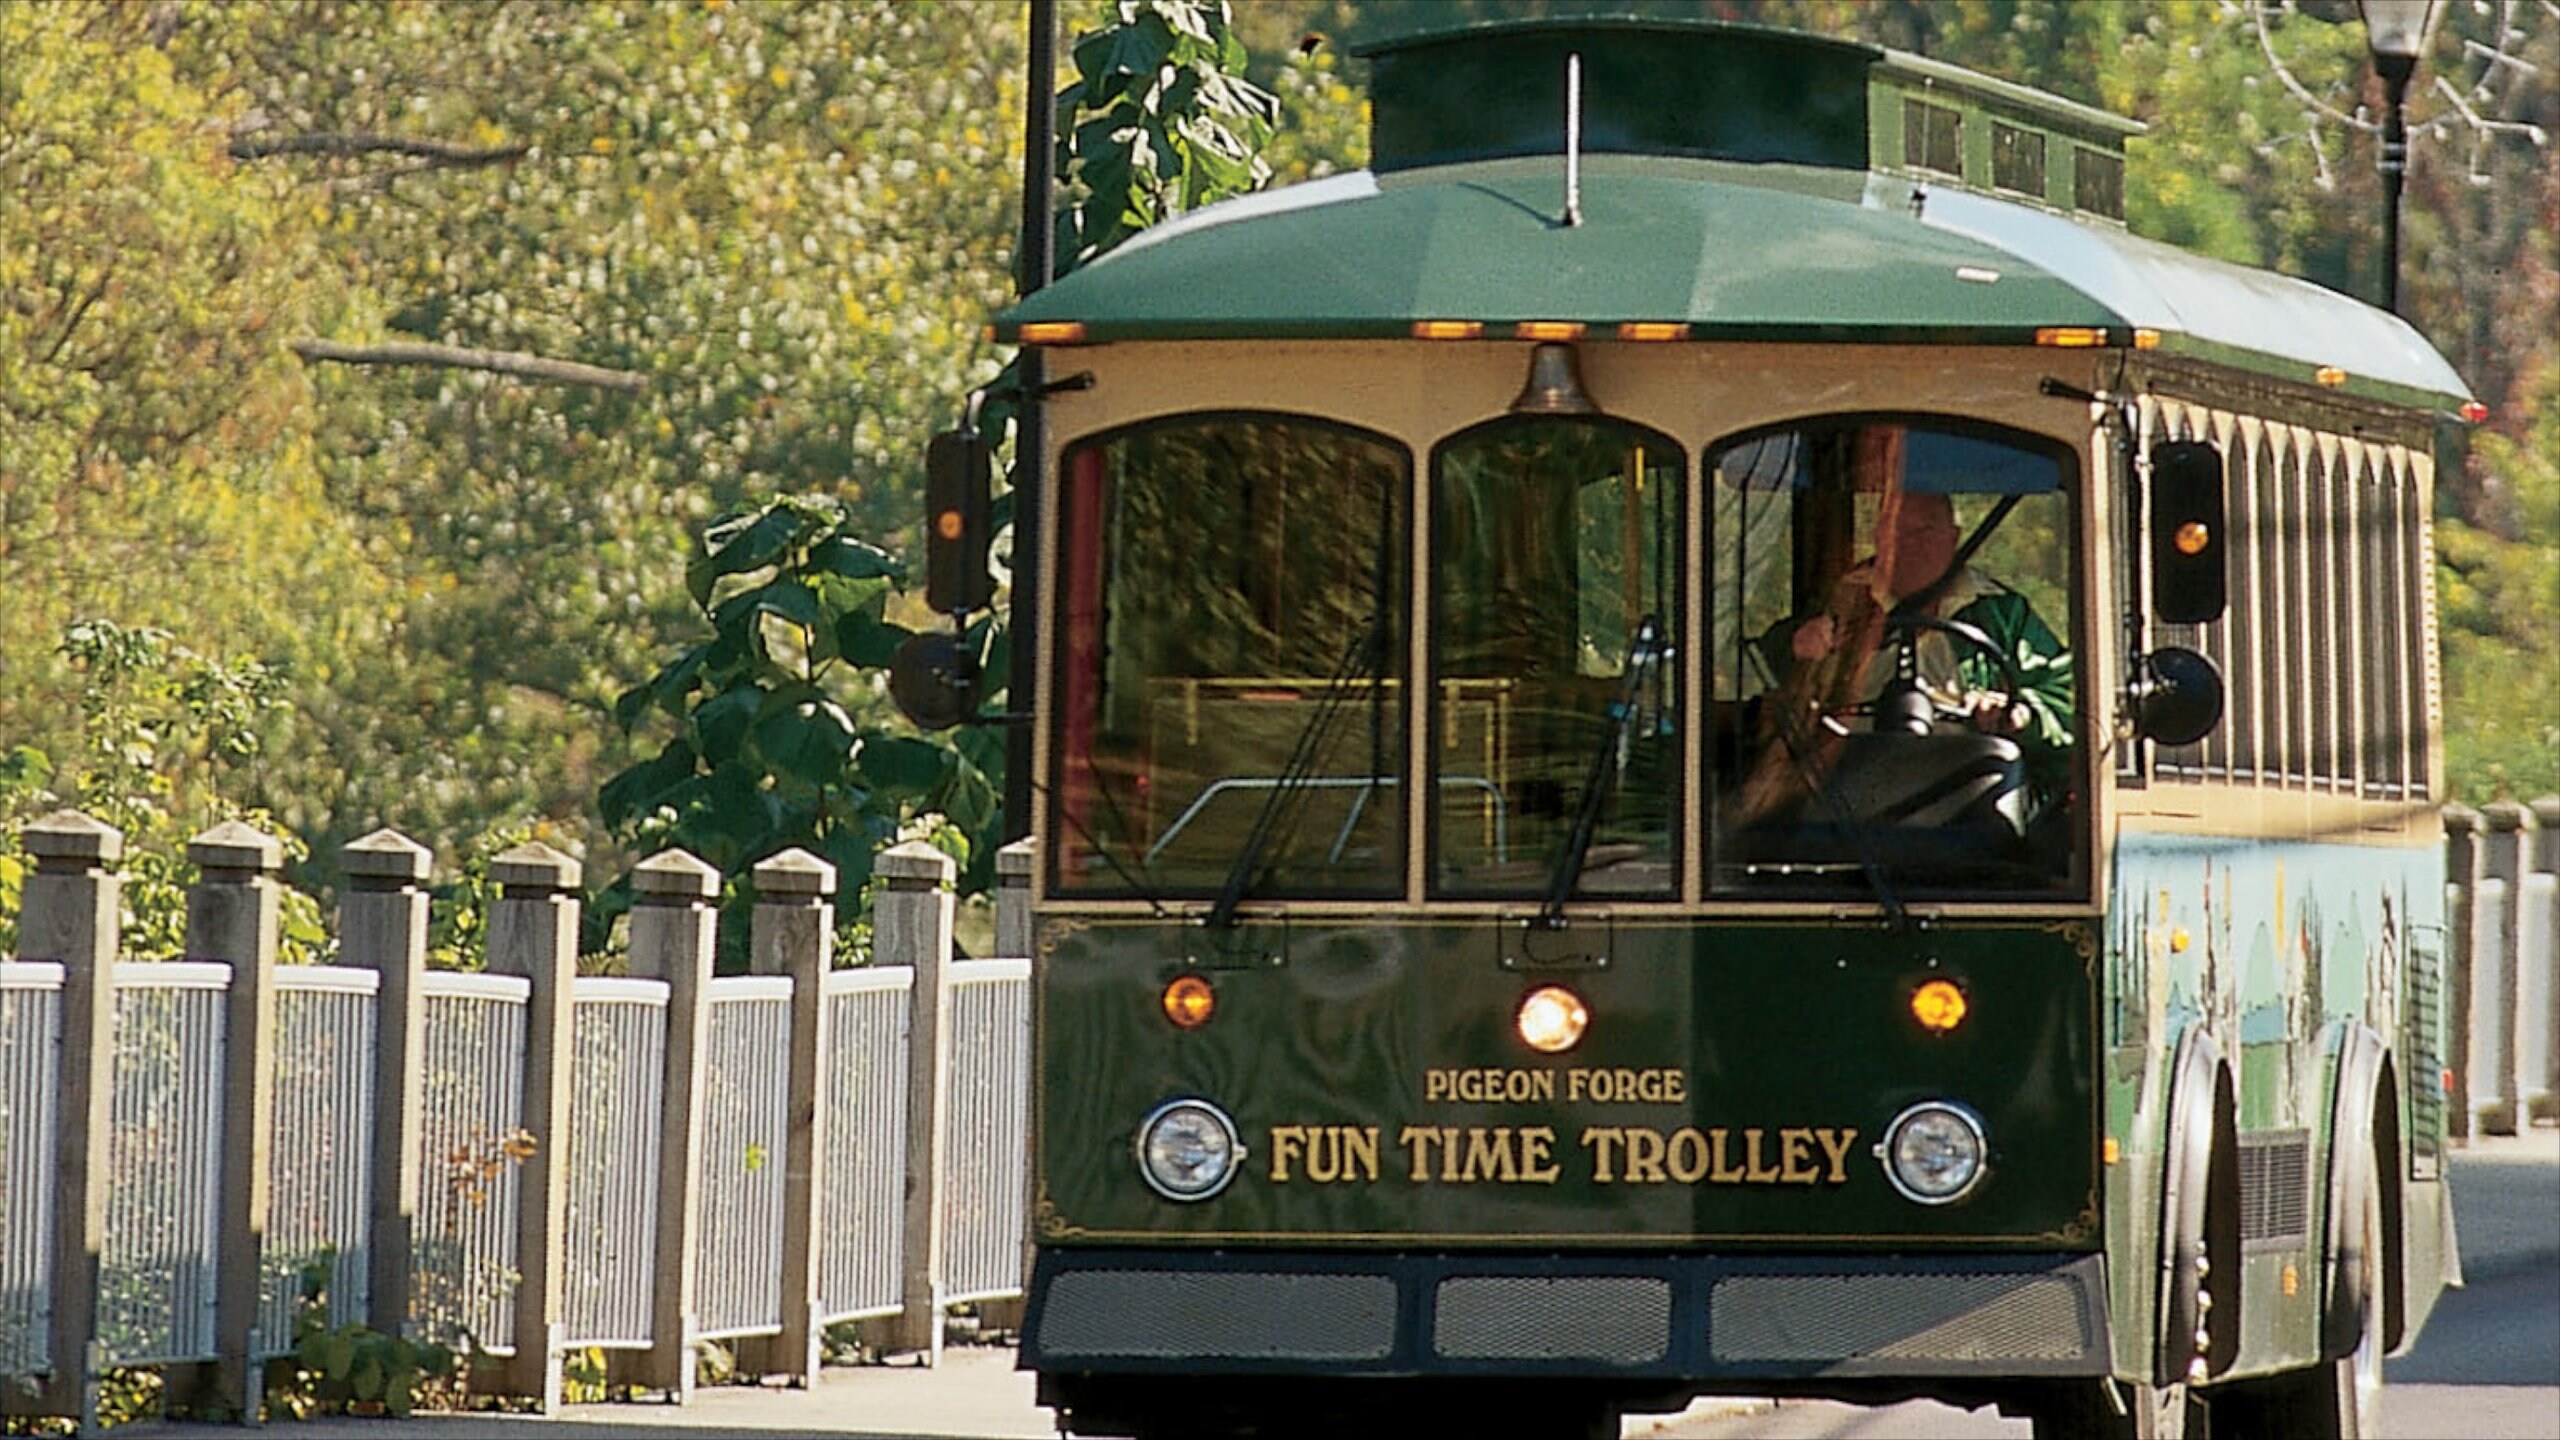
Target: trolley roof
x=1734, y=228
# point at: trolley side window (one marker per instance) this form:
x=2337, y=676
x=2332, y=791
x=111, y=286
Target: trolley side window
x=1231, y=660
x=1555, y=724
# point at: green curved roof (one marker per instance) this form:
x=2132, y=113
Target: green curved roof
x=1736, y=252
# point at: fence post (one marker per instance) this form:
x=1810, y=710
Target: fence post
x=794, y=935
x=68, y=914
x=533, y=932
x=1013, y=941
x=382, y=927
x=674, y=928
x=2538, y=963
x=2502, y=866
x=911, y=925
x=2462, y=955
x=233, y=912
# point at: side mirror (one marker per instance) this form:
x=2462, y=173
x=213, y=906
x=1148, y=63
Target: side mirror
x=957, y=471
x=2189, y=585
x=934, y=680
x=2176, y=696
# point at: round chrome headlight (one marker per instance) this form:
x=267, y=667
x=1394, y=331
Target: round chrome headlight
x=1188, y=1150
x=1934, y=1152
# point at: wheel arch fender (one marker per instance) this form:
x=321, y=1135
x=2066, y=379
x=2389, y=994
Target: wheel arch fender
x=2364, y=1151
x=2199, y=1213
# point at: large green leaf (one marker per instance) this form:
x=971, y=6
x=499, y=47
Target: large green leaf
x=899, y=765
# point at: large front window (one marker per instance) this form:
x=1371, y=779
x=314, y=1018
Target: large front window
x=1896, y=707
x=1556, y=555
x=1231, y=661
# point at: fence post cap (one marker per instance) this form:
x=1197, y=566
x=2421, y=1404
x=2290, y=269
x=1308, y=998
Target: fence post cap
x=70, y=835
x=915, y=861
x=675, y=874
x=2460, y=819
x=535, y=866
x=386, y=854
x=2504, y=814
x=2546, y=812
x=793, y=873
x=1017, y=859
x=236, y=845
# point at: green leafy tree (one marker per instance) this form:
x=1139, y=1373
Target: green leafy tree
x=767, y=751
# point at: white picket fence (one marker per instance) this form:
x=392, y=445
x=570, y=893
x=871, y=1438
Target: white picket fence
x=535, y=1160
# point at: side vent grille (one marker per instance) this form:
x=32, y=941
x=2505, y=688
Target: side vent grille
x=2275, y=1190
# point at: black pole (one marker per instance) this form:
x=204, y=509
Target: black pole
x=1030, y=437
x=2395, y=71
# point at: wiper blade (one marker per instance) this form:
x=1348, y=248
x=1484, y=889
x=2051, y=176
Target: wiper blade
x=1359, y=663
x=1645, y=651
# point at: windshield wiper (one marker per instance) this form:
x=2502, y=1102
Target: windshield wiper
x=1359, y=663
x=1645, y=651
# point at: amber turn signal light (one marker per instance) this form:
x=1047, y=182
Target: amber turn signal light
x=1939, y=1006
x=1189, y=1002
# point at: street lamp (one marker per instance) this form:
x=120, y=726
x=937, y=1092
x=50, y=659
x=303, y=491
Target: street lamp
x=2397, y=31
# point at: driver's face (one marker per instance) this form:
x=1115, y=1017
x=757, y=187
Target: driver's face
x=1924, y=543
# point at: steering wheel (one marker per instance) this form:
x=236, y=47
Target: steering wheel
x=1892, y=702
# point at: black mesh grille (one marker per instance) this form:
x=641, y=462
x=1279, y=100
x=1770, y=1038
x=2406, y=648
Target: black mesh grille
x=1956, y=1316
x=1621, y=1320
x=2275, y=1188
x=1169, y=1314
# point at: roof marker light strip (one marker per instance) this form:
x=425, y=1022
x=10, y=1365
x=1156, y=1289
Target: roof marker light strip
x=1447, y=329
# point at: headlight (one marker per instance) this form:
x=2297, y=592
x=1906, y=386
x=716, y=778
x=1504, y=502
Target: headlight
x=1187, y=1149
x=1934, y=1152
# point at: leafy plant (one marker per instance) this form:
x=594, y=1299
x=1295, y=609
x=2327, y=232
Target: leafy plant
x=767, y=752
x=350, y=1366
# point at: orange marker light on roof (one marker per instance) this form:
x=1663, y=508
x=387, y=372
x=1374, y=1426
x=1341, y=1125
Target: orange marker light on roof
x=2146, y=339
x=2330, y=375
x=1654, y=330
x=1549, y=329
x=1053, y=332
x=1447, y=329
x=2474, y=412
x=1189, y=1002
x=2071, y=337
x=1939, y=1006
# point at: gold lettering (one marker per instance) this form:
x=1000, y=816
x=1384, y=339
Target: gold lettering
x=1449, y=1153
x=1537, y=1165
x=1489, y=1155
x=1435, y=1085
x=1721, y=1172
x=1795, y=1157
x=1324, y=1153
x=1286, y=1140
x=1688, y=1156
x=1360, y=1152
x=1754, y=1169
x=1838, y=1153
x=1417, y=1141
x=1676, y=1091
x=1644, y=1156
x=1598, y=1139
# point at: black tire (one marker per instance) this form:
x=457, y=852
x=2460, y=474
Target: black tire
x=2085, y=1410
x=2337, y=1399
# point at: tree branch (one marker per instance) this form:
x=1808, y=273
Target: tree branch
x=435, y=152
x=455, y=357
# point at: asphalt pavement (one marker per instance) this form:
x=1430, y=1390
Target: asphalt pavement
x=2507, y=1211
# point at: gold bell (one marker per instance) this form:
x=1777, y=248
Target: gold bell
x=1555, y=384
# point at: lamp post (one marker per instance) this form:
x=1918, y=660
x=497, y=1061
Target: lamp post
x=2397, y=31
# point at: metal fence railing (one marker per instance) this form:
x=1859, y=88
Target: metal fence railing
x=156, y=1281
x=472, y=1043
x=30, y=1040
x=989, y=1095
x=506, y=1160
x=319, y=1218
x=861, y=1245
x=744, y=1156
x=620, y=1048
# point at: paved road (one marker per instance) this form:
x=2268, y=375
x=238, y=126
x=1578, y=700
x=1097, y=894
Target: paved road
x=2487, y=1367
